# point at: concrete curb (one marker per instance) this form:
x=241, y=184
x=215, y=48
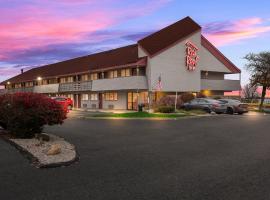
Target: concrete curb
x=146, y=118
x=33, y=160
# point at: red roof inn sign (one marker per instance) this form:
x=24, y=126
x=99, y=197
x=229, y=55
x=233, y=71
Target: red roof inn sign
x=191, y=56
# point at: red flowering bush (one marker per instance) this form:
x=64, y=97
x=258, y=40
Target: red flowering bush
x=25, y=114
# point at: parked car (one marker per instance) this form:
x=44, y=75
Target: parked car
x=235, y=106
x=206, y=104
x=66, y=102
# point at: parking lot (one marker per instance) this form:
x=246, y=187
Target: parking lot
x=216, y=157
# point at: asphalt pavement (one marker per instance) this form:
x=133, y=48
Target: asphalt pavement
x=218, y=157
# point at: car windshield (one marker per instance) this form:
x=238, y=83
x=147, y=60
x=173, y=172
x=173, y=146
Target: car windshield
x=59, y=99
x=213, y=101
x=230, y=101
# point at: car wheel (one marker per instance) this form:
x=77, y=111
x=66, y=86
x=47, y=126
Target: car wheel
x=218, y=113
x=208, y=110
x=69, y=107
x=240, y=113
x=230, y=111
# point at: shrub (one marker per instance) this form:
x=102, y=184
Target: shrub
x=165, y=109
x=201, y=95
x=25, y=114
x=170, y=101
x=186, y=97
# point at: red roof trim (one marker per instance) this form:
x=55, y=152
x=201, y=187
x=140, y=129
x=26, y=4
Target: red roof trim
x=215, y=52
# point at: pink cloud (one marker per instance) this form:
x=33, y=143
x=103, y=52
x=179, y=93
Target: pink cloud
x=41, y=24
x=223, y=33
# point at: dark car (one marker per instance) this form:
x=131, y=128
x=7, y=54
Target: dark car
x=65, y=101
x=208, y=105
x=234, y=106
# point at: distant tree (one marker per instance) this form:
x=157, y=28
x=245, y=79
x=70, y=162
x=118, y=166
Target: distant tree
x=250, y=92
x=259, y=67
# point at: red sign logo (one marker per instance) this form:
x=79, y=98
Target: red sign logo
x=191, y=56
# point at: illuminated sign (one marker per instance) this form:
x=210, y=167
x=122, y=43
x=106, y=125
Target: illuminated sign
x=191, y=56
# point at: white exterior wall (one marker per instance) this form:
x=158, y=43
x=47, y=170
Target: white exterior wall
x=209, y=62
x=170, y=64
x=89, y=104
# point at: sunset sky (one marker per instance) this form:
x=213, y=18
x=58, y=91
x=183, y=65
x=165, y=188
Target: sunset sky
x=38, y=32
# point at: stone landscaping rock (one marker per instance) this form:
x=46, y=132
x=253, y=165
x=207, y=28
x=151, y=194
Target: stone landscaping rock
x=55, y=149
x=43, y=137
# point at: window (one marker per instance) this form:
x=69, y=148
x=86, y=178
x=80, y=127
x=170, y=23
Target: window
x=125, y=72
x=94, y=97
x=111, y=96
x=85, y=77
x=44, y=82
x=112, y=74
x=28, y=84
x=85, y=97
x=93, y=76
x=62, y=80
x=69, y=79
x=18, y=85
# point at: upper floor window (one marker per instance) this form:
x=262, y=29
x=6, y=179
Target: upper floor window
x=44, y=82
x=125, y=72
x=18, y=85
x=93, y=76
x=113, y=74
x=29, y=84
x=85, y=77
x=69, y=79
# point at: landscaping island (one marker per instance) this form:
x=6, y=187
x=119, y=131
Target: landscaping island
x=22, y=118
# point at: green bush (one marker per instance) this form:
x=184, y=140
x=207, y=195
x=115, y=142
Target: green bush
x=165, y=109
x=25, y=114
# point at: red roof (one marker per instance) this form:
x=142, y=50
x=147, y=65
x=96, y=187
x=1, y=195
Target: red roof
x=169, y=35
x=107, y=59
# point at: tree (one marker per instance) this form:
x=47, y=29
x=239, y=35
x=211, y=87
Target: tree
x=250, y=92
x=259, y=67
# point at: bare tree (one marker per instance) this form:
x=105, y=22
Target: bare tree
x=250, y=92
x=259, y=67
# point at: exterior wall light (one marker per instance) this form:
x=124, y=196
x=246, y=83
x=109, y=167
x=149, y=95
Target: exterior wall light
x=39, y=78
x=8, y=83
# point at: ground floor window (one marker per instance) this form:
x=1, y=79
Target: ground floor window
x=85, y=97
x=94, y=97
x=111, y=96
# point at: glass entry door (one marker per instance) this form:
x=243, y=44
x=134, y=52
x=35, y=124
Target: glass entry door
x=132, y=103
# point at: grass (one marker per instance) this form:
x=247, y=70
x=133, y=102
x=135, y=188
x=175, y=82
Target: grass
x=180, y=113
x=262, y=111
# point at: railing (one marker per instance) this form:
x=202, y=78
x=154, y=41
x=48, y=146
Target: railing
x=47, y=89
x=23, y=89
x=76, y=86
x=121, y=83
x=223, y=85
x=3, y=91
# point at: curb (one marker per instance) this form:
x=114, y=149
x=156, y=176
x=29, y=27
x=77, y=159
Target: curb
x=146, y=118
x=34, y=161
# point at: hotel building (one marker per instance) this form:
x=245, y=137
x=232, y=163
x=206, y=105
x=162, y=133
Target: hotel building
x=177, y=58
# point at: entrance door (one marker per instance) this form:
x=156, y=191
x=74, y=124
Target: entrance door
x=132, y=99
x=100, y=100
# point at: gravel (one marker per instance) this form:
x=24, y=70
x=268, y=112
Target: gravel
x=39, y=150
